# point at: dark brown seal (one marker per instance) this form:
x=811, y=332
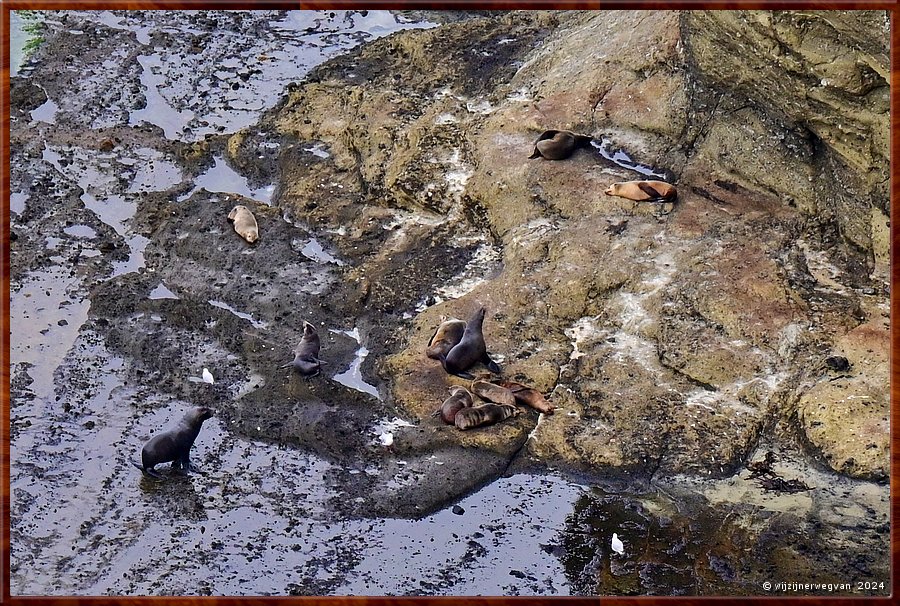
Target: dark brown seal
x=460, y=398
x=470, y=350
x=558, y=144
x=174, y=444
x=529, y=396
x=486, y=414
x=644, y=191
x=493, y=393
x=306, y=354
x=448, y=334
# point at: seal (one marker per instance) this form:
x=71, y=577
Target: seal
x=244, y=223
x=486, y=414
x=558, y=144
x=493, y=393
x=448, y=334
x=643, y=191
x=460, y=398
x=306, y=355
x=529, y=396
x=174, y=444
x=470, y=350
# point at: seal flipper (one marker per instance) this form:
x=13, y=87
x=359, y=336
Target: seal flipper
x=650, y=191
x=536, y=154
x=463, y=375
x=491, y=365
x=148, y=472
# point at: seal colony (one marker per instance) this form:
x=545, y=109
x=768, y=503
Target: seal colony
x=458, y=345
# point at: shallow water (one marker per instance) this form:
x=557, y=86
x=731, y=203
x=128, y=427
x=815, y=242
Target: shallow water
x=85, y=521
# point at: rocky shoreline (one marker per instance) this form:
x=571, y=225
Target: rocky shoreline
x=392, y=187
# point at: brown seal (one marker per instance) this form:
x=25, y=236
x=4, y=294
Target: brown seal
x=493, y=393
x=244, y=223
x=486, y=414
x=460, y=398
x=448, y=334
x=470, y=350
x=558, y=144
x=306, y=354
x=643, y=191
x=529, y=396
x=174, y=444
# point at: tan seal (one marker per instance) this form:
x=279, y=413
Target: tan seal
x=529, y=396
x=244, y=223
x=460, y=398
x=470, y=350
x=493, y=393
x=486, y=414
x=448, y=334
x=558, y=144
x=644, y=191
x=174, y=444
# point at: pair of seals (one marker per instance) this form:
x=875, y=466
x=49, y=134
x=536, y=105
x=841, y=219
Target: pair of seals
x=459, y=398
x=643, y=191
x=174, y=444
x=558, y=144
x=458, y=357
x=244, y=223
x=448, y=334
x=306, y=355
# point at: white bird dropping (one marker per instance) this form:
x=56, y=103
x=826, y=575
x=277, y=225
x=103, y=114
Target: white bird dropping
x=617, y=544
x=386, y=439
x=207, y=376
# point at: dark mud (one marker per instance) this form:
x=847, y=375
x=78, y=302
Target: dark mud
x=128, y=282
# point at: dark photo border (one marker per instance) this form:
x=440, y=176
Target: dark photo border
x=9, y=5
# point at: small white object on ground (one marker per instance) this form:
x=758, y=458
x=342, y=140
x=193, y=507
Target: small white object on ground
x=617, y=544
x=207, y=376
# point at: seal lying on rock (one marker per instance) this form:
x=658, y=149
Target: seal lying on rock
x=493, y=393
x=486, y=414
x=460, y=398
x=470, y=350
x=244, y=223
x=643, y=191
x=558, y=144
x=529, y=397
x=174, y=444
x=306, y=354
x=448, y=334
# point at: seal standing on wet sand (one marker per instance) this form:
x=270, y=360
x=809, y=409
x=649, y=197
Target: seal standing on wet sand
x=529, y=396
x=244, y=223
x=460, y=398
x=448, y=334
x=174, y=444
x=486, y=414
x=558, y=144
x=306, y=354
x=643, y=191
x=470, y=350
